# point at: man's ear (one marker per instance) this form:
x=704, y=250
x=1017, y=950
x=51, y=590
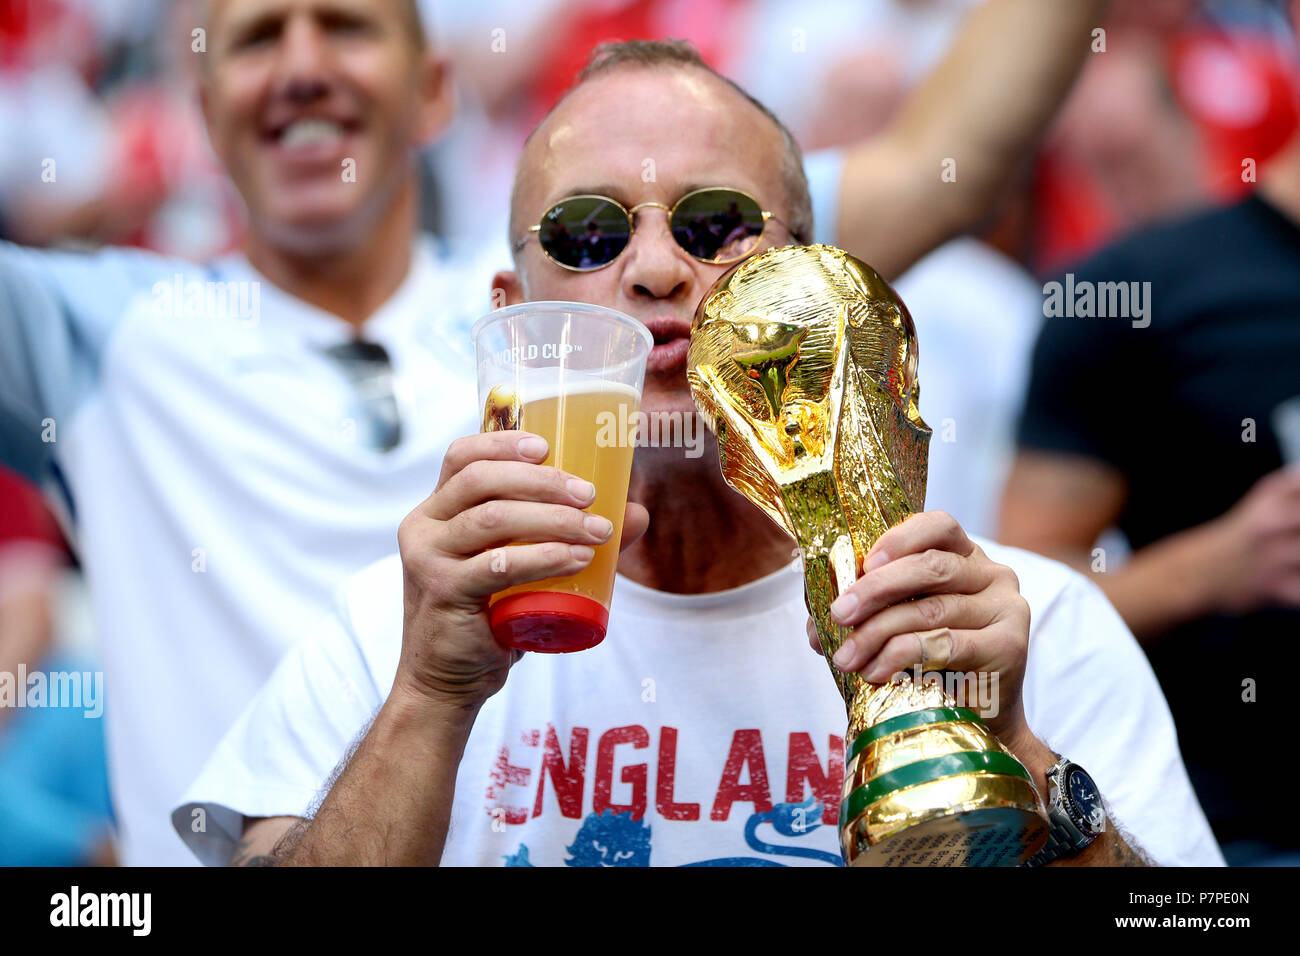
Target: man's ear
x=436, y=96
x=507, y=289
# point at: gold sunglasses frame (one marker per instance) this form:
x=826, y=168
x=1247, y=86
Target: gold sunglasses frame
x=631, y=218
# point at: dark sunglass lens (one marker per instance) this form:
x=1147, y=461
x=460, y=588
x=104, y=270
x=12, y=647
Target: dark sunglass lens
x=584, y=232
x=718, y=225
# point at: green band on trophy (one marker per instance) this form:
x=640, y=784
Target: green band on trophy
x=923, y=771
x=916, y=718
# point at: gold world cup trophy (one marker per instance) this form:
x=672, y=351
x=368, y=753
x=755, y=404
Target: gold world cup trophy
x=803, y=362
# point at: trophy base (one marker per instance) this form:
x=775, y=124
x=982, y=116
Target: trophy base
x=998, y=836
x=934, y=787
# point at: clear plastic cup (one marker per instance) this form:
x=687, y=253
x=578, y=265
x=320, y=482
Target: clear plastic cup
x=572, y=373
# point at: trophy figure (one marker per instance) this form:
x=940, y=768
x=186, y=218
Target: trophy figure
x=803, y=362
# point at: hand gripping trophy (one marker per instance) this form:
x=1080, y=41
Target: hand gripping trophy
x=803, y=362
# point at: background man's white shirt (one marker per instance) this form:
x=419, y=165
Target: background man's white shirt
x=211, y=468
x=702, y=731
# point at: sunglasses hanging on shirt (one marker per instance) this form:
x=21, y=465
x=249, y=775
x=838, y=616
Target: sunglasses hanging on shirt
x=370, y=370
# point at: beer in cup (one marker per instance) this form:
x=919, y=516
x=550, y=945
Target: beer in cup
x=571, y=373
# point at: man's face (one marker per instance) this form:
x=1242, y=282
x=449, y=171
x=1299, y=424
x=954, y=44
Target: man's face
x=315, y=107
x=680, y=130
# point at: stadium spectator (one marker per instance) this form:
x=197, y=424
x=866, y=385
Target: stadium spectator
x=229, y=438
x=445, y=728
x=1173, y=413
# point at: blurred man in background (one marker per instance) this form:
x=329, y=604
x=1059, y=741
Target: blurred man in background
x=224, y=441
x=1170, y=408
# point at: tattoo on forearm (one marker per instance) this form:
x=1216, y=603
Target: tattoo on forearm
x=289, y=842
x=243, y=857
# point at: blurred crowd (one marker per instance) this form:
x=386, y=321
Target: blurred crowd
x=1158, y=125
x=1189, y=103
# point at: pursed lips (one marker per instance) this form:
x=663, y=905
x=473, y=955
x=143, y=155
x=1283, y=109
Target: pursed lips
x=672, y=336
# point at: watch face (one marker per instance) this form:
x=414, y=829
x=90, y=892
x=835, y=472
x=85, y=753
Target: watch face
x=1086, y=800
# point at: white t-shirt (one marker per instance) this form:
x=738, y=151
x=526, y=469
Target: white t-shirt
x=210, y=459
x=703, y=730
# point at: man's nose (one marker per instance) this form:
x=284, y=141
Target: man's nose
x=656, y=266
x=302, y=68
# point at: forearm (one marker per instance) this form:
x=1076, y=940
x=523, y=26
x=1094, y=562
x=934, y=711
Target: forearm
x=1160, y=586
x=1058, y=504
x=1153, y=592
x=1111, y=848
x=391, y=804
x=965, y=132
x=40, y=224
x=1164, y=584
x=995, y=92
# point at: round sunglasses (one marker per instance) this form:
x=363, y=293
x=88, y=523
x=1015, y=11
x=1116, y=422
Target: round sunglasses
x=716, y=225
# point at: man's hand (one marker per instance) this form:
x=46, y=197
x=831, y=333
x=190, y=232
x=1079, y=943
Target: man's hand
x=1254, y=549
x=928, y=595
x=497, y=518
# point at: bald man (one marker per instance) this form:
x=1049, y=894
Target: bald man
x=402, y=733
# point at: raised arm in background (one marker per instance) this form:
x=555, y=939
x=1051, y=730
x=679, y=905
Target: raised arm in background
x=983, y=107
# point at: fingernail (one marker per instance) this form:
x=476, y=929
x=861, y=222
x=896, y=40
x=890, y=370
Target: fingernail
x=581, y=552
x=582, y=490
x=844, y=606
x=843, y=656
x=532, y=447
x=877, y=560
x=876, y=675
x=597, y=526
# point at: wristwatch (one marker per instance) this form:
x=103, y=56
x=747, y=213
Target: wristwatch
x=1076, y=814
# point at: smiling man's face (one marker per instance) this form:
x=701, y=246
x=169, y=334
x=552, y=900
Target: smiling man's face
x=315, y=108
x=681, y=129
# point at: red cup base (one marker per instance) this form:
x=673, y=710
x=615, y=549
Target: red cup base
x=548, y=622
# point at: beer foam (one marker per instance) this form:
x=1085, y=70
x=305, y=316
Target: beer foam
x=535, y=384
